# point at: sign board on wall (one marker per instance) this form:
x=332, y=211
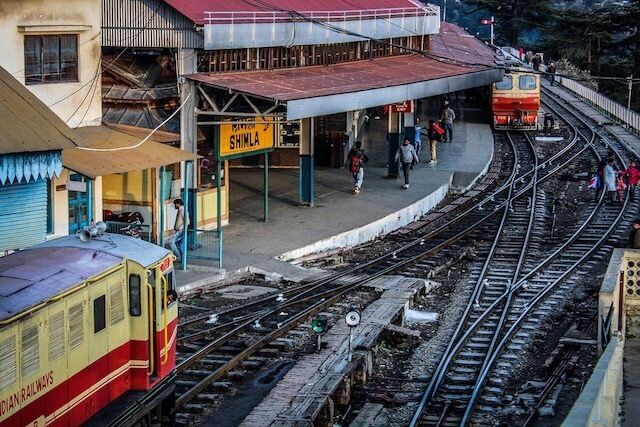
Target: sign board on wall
x=402, y=107
x=245, y=138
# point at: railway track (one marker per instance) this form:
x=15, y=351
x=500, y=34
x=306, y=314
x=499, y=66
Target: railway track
x=209, y=352
x=499, y=325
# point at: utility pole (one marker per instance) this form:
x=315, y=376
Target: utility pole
x=630, y=87
x=444, y=11
x=492, y=21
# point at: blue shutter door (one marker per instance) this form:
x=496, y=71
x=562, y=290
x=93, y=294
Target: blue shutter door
x=23, y=214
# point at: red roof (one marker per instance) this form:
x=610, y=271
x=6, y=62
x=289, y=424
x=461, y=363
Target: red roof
x=309, y=82
x=196, y=9
x=455, y=43
x=453, y=52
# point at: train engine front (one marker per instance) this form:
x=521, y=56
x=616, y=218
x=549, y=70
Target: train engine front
x=515, y=101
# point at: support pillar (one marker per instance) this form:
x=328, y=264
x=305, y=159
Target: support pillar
x=187, y=63
x=394, y=136
x=306, y=162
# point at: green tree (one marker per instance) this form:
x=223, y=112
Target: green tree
x=513, y=17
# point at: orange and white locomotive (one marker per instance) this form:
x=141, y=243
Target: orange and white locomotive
x=87, y=332
x=515, y=100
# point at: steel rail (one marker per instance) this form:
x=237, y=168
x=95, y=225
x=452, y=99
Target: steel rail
x=551, y=286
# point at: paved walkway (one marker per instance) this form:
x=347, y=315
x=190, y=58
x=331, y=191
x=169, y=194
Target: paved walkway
x=339, y=218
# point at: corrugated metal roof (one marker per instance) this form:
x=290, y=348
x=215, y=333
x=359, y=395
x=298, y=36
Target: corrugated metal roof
x=151, y=154
x=196, y=10
x=147, y=23
x=456, y=44
x=452, y=52
x=26, y=123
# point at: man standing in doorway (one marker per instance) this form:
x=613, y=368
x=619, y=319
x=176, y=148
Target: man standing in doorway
x=448, y=116
x=182, y=221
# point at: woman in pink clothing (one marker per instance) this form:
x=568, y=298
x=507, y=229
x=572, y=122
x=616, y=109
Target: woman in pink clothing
x=633, y=176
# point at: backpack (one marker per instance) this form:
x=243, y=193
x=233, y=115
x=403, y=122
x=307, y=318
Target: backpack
x=355, y=162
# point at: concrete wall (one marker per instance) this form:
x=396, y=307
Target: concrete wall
x=40, y=17
x=598, y=402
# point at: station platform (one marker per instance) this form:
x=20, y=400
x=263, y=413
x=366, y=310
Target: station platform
x=339, y=218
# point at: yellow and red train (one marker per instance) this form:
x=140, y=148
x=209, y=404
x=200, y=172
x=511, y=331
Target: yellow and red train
x=87, y=332
x=515, y=101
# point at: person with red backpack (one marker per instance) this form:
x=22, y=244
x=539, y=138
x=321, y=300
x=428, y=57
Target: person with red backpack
x=435, y=133
x=633, y=176
x=356, y=160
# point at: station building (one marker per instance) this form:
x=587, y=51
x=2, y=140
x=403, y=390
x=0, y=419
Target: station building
x=290, y=84
x=59, y=164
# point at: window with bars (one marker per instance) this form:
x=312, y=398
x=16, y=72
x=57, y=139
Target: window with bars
x=51, y=58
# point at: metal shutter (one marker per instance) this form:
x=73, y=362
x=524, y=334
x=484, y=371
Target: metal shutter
x=23, y=214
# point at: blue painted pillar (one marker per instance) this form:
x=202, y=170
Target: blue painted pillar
x=306, y=162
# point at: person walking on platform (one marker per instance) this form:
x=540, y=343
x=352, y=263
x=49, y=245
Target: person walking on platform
x=182, y=222
x=536, y=61
x=633, y=176
x=434, y=132
x=551, y=70
x=610, y=174
x=357, y=158
x=407, y=156
x=447, y=118
x=417, y=139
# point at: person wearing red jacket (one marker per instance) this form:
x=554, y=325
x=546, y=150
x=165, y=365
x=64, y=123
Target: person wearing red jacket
x=633, y=176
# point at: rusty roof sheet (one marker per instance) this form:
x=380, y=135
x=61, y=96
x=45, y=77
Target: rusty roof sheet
x=26, y=123
x=452, y=52
x=455, y=44
x=150, y=154
x=196, y=10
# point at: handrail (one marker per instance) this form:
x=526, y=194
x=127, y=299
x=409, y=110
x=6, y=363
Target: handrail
x=151, y=355
x=165, y=357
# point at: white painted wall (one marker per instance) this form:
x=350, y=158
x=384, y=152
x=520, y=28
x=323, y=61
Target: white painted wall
x=18, y=18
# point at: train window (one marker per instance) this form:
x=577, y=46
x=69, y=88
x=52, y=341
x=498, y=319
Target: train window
x=56, y=336
x=30, y=350
x=117, y=304
x=527, y=82
x=8, y=366
x=99, y=314
x=505, y=84
x=76, y=325
x=135, y=297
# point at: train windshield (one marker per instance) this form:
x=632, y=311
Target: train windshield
x=505, y=84
x=527, y=82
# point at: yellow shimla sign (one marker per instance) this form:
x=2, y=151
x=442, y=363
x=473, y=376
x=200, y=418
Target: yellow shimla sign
x=245, y=138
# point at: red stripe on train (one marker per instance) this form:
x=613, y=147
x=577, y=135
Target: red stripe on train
x=78, y=387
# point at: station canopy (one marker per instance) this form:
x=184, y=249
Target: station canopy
x=455, y=61
x=106, y=156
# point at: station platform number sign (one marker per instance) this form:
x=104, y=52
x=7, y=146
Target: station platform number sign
x=246, y=138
